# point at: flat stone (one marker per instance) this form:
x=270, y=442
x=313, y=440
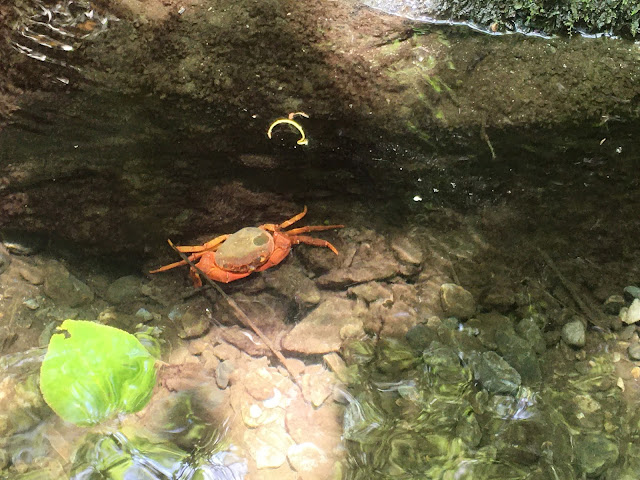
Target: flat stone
x=317, y=384
x=371, y=292
x=319, y=331
x=398, y=320
x=292, y=283
x=307, y=457
x=382, y=270
x=335, y=362
x=245, y=340
x=224, y=351
x=321, y=426
x=31, y=275
x=595, y=453
x=268, y=445
x=407, y=250
x=64, y=288
x=259, y=383
x=456, y=301
x=124, y=289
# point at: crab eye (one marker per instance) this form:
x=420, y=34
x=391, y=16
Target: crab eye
x=260, y=240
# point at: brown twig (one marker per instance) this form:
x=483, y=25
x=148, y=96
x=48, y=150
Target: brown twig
x=243, y=316
x=591, y=313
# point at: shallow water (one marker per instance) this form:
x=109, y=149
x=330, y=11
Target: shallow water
x=387, y=376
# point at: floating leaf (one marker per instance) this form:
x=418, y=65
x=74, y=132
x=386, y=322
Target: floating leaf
x=91, y=372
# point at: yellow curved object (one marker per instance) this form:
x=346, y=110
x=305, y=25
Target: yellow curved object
x=302, y=141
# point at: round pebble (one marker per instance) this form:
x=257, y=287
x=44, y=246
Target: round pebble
x=574, y=334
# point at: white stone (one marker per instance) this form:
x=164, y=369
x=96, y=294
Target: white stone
x=633, y=313
x=306, y=457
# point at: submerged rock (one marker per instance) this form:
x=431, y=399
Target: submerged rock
x=268, y=445
x=193, y=320
x=632, y=315
x=292, y=283
x=322, y=330
x=574, y=333
x=310, y=460
x=517, y=352
x=631, y=292
x=528, y=329
x=494, y=374
x=372, y=260
x=595, y=453
x=407, y=250
x=634, y=351
x=372, y=292
x=456, y=301
x=421, y=336
x=124, y=289
x=64, y=288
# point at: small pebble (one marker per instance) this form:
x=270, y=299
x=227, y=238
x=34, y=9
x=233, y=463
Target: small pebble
x=632, y=315
x=255, y=411
x=144, y=314
x=635, y=372
x=31, y=303
x=574, y=334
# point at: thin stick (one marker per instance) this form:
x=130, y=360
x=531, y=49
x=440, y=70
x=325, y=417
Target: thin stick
x=243, y=316
x=590, y=312
x=485, y=137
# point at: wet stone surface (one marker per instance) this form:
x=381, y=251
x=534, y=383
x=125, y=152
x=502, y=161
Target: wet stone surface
x=401, y=373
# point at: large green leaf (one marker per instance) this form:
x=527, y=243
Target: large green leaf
x=91, y=372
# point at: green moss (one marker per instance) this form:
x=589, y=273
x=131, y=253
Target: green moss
x=621, y=17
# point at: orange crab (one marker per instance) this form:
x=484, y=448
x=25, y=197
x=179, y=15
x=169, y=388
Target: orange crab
x=251, y=249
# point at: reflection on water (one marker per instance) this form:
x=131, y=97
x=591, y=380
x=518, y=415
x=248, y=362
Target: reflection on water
x=51, y=28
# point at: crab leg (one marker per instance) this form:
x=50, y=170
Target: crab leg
x=296, y=239
x=313, y=228
x=210, y=245
x=164, y=268
x=294, y=219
